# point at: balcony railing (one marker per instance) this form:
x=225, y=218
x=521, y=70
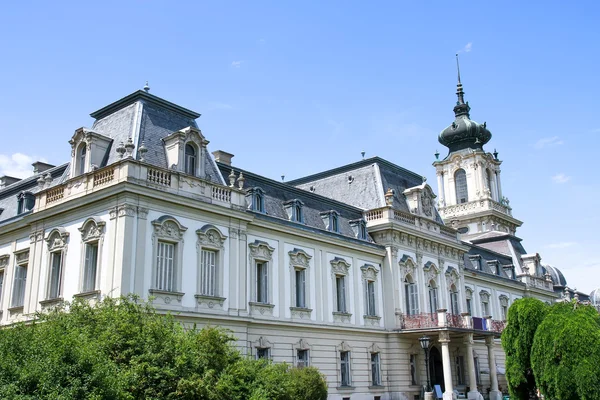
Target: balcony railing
x=442, y=319
x=387, y=214
x=140, y=173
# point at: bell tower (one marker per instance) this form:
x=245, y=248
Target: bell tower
x=469, y=188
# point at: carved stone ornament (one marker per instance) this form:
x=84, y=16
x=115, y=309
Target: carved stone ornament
x=339, y=266
x=484, y=296
x=126, y=210
x=427, y=201
x=211, y=236
x=369, y=272
x=302, y=344
x=407, y=267
x=431, y=271
x=261, y=250
x=4, y=260
x=142, y=212
x=167, y=227
x=262, y=343
x=374, y=348
x=22, y=257
x=36, y=236
x=344, y=346
x=57, y=239
x=452, y=276
x=301, y=313
x=503, y=300
x=299, y=258
x=92, y=229
x=468, y=293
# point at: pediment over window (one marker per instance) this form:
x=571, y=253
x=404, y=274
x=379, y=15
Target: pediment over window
x=374, y=348
x=299, y=257
x=452, y=276
x=167, y=227
x=503, y=300
x=302, y=344
x=344, y=346
x=92, y=229
x=262, y=343
x=484, y=296
x=57, y=239
x=4, y=260
x=211, y=236
x=407, y=266
x=369, y=272
x=261, y=250
x=339, y=266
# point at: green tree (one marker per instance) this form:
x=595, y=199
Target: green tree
x=565, y=355
x=124, y=349
x=524, y=317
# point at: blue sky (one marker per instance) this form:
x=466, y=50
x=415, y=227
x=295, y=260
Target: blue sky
x=296, y=88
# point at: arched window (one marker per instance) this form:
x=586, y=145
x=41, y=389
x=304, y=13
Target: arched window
x=81, y=158
x=190, y=159
x=488, y=179
x=454, y=309
x=411, y=296
x=433, y=297
x=460, y=183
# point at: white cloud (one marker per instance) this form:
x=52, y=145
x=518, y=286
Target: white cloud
x=236, y=64
x=467, y=48
x=17, y=165
x=547, y=142
x=561, y=178
x=215, y=105
x=261, y=41
x=560, y=245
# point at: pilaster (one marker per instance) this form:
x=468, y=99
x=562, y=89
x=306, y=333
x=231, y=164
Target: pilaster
x=495, y=394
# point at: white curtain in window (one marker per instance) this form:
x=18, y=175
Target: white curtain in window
x=208, y=273
x=165, y=265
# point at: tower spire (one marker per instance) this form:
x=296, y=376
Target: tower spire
x=459, y=88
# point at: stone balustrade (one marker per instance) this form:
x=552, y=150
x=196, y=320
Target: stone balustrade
x=470, y=207
x=388, y=214
x=143, y=174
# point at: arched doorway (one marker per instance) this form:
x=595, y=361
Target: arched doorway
x=436, y=368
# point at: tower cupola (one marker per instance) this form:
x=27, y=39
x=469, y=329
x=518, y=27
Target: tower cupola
x=464, y=133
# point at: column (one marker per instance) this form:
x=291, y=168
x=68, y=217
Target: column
x=494, y=393
x=498, y=187
x=440, y=181
x=445, y=341
x=473, y=392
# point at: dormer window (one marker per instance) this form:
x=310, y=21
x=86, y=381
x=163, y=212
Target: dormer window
x=191, y=160
x=256, y=199
x=25, y=202
x=476, y=260
x=81, y=159
x=359, y=226
x=293, y=209
x=331, y=220
x=494, y=266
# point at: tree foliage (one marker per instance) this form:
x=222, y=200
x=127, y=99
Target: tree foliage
x=123, y=349
x=566, y=353
x=524, y=316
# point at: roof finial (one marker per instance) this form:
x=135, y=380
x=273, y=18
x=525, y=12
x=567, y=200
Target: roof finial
x=459, y=89
x=147, y=88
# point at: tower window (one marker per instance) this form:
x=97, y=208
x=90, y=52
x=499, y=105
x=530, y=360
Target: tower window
x=190, y=160
x=460, y=182
x=82, y=153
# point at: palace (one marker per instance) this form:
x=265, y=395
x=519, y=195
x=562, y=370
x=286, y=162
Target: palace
x=344, y=270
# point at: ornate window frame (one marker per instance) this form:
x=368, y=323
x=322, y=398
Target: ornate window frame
x=469, y=297
x=484, y=297
x=504, y=303
x=302, y=345
x=256, y=199
x=359, y=226
x=92, y=231
x=21, y=260
x=294, y=210
x=25, y=202
x=175, y=149
x=260, y=252
x=371, y=350
x=453, y=280
x=57, y=241
x=408, y=274
x=341, y=268
x=211, y=238
x=300, y=261
x=369, y=274
x=168, y=229
x=343, y=347
x=262, y=344
x=4, y=261
x=331, y=220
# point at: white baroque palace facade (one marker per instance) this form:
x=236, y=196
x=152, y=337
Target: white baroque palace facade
x=343, y=270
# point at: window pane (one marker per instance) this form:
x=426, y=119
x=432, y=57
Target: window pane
x=1, y=282
x=375, y=375
x=302, y=358
x=55, y=275
x=300, y=288
x=165, y=264
x=190, y=160
x=208, y=273
x=90, y=267
x=460, y=183
x=413, y=369
x=345, y=368
x=262, y=283
x=18, y=298
x=371, y=298
x=341, y=293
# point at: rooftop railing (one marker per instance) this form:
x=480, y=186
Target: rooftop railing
x=387, y=214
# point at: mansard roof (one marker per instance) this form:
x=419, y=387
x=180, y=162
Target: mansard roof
x=363, y=184
x=277, y=194
x=149, y=119
x=8, y=194
x=486, y=255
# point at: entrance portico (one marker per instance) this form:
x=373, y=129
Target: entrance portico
x=450, y=330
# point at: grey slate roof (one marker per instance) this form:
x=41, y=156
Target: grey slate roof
x=277, y=193
x=363, y=184
x=486, y=255
x=8, y=195
x=146, y=118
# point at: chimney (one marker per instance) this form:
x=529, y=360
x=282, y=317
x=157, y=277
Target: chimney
x=7, y=181
x=222, y=157
x=39, y=167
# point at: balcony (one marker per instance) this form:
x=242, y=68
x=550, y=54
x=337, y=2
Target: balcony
x=388, y=214
x=143, y=174
x=442, y=319
x=472, y=207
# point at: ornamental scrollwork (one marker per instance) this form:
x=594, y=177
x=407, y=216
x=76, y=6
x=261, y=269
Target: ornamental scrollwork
x=261, y=250
x=407, y=267
x=4, y=260
x=167, y=227
x=299, y=258
x=92, y=229
x=211, y=236
x=339, y=266
x=57, y=239
x=369, y=272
